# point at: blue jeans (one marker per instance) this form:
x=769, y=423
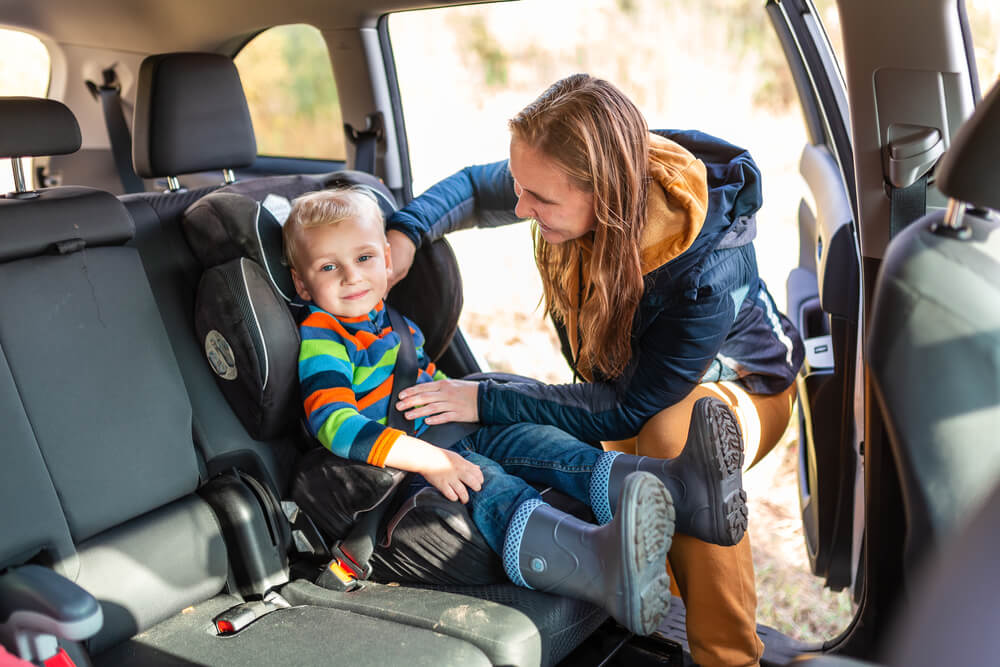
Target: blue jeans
x=510, y=456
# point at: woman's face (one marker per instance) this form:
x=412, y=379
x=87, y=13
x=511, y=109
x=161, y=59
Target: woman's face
x=545, y=192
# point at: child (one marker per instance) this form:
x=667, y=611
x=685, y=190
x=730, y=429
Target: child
x=336, y=246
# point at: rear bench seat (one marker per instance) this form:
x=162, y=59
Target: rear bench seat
x=104, y=443
x=98, y=466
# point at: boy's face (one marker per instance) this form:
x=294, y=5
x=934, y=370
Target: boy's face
x=343, y=268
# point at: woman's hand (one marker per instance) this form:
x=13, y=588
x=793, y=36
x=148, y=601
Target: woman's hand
x=441, y=402
x=401, y=251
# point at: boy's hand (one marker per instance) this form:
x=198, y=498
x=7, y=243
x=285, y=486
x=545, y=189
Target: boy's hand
x=445, y=470
x=441, y=402
x=451, y=474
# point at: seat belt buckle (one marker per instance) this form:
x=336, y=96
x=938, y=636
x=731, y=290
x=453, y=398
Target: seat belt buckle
x=338, y=576
x=360, y=570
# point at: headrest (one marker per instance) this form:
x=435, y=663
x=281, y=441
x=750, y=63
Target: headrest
x=33, y=126
x=968, y=170
x=223, y=226
x=190, y=115
x=61, y=220
x=245, y=219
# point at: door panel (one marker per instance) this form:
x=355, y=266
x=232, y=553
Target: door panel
x=823, y=299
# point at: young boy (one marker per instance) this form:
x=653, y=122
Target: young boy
x=336, y=246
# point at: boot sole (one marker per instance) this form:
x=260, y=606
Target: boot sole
x=716, y=441
x=647, y=528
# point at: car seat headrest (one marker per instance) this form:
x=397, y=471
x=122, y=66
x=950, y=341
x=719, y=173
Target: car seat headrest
x=37, y=127
x=968, y=170
x=245, y=220
x=191, y=115
x=61, y=220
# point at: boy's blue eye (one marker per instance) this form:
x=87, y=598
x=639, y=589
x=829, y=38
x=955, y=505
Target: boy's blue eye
x=327, y=267
x=364, y=258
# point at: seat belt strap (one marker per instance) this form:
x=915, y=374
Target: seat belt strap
x=365, y=141
x=118, y=132
x=906, y=205
x=355, y=550
x=405, y=373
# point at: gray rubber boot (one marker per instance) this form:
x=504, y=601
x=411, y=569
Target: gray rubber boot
x=620, y=566
x=705, y=481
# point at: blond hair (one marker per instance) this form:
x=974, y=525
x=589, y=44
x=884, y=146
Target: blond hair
x=328, y=207
x=600, y=140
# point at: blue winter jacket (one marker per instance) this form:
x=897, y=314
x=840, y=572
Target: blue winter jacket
x=704, y=316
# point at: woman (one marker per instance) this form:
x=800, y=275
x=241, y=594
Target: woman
x=644, y=246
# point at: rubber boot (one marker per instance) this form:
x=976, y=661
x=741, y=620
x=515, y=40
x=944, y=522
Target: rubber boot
x=705, y=481
x=617, y=566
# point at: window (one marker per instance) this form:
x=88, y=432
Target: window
x=24, y=70
x=716, y=66
x=984, y=22
x=293, y=100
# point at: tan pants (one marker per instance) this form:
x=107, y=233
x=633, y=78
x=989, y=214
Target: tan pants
x=716, y=583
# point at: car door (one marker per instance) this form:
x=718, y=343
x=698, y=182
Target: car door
x=910, y=82
x=824, y=299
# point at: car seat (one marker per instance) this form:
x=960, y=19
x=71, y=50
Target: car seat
x=934, y=341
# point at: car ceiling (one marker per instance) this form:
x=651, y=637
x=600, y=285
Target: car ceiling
x=152, y=26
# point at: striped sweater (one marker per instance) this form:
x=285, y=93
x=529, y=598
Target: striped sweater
x=345, y=372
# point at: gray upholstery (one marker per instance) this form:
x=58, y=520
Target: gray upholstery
x=99, y=384
x=934, y=349
x=39, y=525
x=33, y=127
x=298, y=636
x=968, y=171
x=33, y=226
x=190, y=115
x=151, y=568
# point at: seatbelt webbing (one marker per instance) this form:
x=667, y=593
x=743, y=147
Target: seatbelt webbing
x=405, y=373
x=365, y=141
x=906, y=205
x=118, y=132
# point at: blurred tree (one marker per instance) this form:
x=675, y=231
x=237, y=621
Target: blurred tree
x=294, y=106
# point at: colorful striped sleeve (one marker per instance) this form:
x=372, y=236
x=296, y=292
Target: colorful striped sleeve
x=332, y=412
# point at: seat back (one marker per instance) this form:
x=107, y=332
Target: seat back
x=934, y=341
x=102, y=414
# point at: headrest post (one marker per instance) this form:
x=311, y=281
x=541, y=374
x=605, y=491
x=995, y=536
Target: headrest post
x=19, y=185
x=173, y=185
x=954, y=214
x=228, y=176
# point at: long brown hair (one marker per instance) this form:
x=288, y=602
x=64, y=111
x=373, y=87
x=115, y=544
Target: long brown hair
x=598, y=137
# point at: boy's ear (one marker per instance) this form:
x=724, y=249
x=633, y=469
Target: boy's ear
x=388, y=258
x=300, y=287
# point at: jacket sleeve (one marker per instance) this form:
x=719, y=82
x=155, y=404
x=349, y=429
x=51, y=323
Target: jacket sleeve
x=325, y=373
x=672, y=355
x=478, y=196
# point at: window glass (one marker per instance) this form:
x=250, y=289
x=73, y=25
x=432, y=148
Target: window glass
x=984, y=22
x=24, y=70
x=293, y=100
x=716, y=66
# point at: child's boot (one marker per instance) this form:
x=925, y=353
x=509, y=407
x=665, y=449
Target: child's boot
x=705, y=481
x=618, y=566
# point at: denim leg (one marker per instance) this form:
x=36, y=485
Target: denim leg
x=493, y=506
x=540, y=454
